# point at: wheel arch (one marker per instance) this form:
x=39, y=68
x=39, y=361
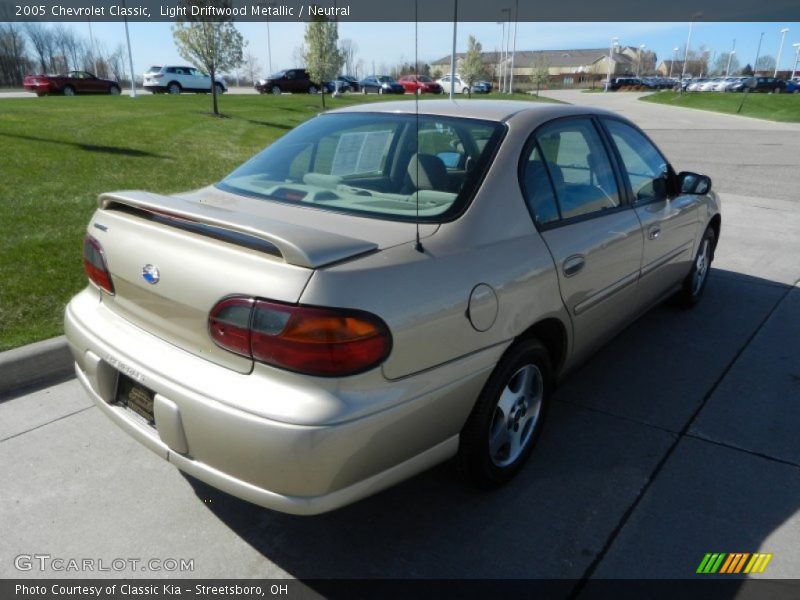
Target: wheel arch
x=716, y=224
x=553, y=334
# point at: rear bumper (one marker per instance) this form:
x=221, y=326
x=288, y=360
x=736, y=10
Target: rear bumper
x=289, y=467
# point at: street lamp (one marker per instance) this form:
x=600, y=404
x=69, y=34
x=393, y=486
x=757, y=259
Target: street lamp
x=614, y=42
x=796, y=58
x=758, y=53
x=514, y=46
x=688, y=44
x=673, y=61
x=130, y=56
x=501, y=76
x=728, y=68
x=780, y=49
x=639, y=62
x=508, y=41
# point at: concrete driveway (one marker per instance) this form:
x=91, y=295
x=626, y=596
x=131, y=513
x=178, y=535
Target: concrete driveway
x=677, y=439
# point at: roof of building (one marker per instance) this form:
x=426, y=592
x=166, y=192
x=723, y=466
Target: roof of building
x=552, y=58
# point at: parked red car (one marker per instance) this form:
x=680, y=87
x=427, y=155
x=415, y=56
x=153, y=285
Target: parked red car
x=420, y=84
x=74, y=82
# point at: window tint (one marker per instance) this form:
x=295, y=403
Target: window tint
x=646, y=168
x=579, y=167
x=538, y=190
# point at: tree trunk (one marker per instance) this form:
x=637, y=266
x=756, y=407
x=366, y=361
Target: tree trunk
x=322, y=94
x=214, y=93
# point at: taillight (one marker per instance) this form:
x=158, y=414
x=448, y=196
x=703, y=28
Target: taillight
x=157, y=76
x=94, y=263
x=316, y=341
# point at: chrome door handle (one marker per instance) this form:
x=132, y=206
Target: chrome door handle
x=573, y=264
x=653, y=232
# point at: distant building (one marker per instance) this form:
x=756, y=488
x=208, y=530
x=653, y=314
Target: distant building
x=695, y=68
x=569, y=67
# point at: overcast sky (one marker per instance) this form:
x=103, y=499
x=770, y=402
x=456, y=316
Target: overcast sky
x=390, y=43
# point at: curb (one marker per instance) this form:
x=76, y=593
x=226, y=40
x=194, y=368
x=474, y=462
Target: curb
x=34, y=364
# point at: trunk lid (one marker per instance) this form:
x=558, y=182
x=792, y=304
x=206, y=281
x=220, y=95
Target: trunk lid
x=199, y=254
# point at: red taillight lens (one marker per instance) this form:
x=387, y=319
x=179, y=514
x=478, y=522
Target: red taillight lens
x=229, y=324
x=94, y=263
x=316, y=341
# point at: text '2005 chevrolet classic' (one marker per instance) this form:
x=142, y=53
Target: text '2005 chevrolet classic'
x=383, y=288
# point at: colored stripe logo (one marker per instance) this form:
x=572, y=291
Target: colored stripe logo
x=736, y=562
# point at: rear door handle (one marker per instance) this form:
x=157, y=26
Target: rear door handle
x=573, y=264
x=654, y=232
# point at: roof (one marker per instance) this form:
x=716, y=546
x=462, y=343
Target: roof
x=553, y=58
x=490, y=110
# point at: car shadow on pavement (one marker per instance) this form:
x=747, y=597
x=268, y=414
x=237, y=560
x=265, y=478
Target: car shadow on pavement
x=618, y=467
x=89, y=147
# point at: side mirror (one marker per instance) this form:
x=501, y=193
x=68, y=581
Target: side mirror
x=693, y=183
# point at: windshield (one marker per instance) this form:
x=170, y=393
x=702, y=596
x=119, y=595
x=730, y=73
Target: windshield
x=277, y=75
x=384, y=79
x=382, y=165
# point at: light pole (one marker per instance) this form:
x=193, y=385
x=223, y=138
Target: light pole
x=639, y=62
x=453, y=55
x=688, y=44
x=614, y=41
x=130, y=56
x=674, y=60
x=728, y=68
x=796, y=58
x=514, y=46
x=758, y=53
x=508, y=42
x=91, y=43
x=780, y=49
x=501, y=76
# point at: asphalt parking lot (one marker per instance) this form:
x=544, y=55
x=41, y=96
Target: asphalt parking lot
x=677, y=439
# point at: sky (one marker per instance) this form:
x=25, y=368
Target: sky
x=387, y=44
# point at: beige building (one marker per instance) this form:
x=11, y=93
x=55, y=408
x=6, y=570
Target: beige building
x=569, y=67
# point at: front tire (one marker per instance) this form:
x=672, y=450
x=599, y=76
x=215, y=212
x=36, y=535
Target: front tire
x=276, y=90
x=695, y=283
x=507, y=418
x=69, y=91
x=174, y=88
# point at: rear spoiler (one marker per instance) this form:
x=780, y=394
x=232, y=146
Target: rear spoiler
x=297, y=244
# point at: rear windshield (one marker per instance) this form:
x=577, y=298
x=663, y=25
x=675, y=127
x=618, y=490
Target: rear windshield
x=153, y=69
x=388, y=166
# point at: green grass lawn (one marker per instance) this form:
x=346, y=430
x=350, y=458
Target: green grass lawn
x=60, y=153
x=775, y=107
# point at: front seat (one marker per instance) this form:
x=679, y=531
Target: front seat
x=427, y=172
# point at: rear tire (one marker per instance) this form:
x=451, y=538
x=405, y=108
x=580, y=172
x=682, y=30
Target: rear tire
x=220, y=89
x=69, y=90
x=507, y=418
x=312, y=89
x=695, y=283
x=114, y=90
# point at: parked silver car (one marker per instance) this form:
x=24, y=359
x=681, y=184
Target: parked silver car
x=381, y=290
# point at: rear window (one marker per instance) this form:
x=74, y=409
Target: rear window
x=386, y=166
x=154, y=69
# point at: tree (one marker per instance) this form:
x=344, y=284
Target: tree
x=349, y=50
x=721, y=64
x=214, y=46
x=42, y=40
x=322, y=55
x=765, y=63
x=13, y=58
x=472, y=67
x=540, y=70
x=747, y=70
x=251, y=67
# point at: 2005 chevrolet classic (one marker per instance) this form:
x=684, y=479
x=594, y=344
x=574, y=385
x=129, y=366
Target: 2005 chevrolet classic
x=381, y=289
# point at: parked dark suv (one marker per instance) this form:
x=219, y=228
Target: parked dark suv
x=760, y=84
x=290, y=80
